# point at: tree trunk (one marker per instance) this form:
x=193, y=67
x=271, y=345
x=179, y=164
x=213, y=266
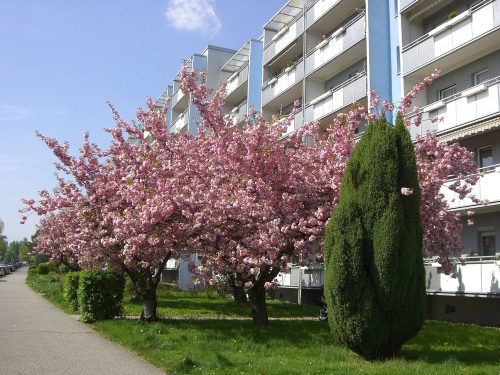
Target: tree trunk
x=149, y=303
x=239, y=294
x=257, y=295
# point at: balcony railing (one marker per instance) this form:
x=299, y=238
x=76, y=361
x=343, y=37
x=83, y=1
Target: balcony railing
x=341, y=40
x=176, y=97
x=474, y=103
x=236, y=80
x=479, y=274
x=453, y=34
x=487, y=188
x=239, y=113
x=283, y=38
x=320, y=7
x=338, y=97
x=296, y=123
x=309, y=277
x=284, y=81
x=180, y=123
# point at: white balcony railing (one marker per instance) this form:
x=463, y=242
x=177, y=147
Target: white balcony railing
x=337, y=98
x=296, y=123
x=176, y=97
x=239, y=113
x=319, y=8
x=283, y=38
x=310, y=277
x=236, y=80
x=180, y=123
x=459, y=109
x=341, y=40
x=487, y=188
x=453, y=34
x=284, y=81
x=479, y=274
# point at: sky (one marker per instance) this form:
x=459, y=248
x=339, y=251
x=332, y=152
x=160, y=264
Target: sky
x=62, y=60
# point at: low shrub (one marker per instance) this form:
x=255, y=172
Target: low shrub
x=71, y=282
x=43, y=269
x=63, y=268
x=100, y=295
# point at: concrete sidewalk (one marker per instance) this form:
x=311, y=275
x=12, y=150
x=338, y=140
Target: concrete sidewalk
x=38, y=338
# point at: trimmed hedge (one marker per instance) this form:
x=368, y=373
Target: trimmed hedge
x=71, y=282
x=43, y=269
x=100, y=295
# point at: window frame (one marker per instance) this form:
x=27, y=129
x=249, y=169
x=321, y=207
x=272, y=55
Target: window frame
x=476, y=74
x=440, y=92
x=479, y=159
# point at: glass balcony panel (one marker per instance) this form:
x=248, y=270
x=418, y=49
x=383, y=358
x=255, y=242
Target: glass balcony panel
x=237, y=80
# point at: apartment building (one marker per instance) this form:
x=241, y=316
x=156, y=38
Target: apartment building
x=328, y=55
x=239, y=70
x=462, y=38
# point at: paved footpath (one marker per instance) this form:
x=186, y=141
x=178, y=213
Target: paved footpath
x=38, y=338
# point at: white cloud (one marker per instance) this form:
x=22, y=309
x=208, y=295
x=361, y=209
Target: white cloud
x=193, y=15
x=13, y=113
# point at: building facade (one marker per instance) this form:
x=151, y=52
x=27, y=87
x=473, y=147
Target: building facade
x=329, y=55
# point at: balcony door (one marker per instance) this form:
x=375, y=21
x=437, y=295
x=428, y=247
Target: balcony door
x=487, y=243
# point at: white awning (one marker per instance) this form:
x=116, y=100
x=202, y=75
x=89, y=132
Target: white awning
x=286, y=15
x=238, y=60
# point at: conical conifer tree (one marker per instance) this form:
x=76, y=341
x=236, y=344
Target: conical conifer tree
x=375, y=285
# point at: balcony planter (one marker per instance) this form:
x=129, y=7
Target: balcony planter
x=233, y=76
x=450, y=23
x=434, y=106
x=338, y=32
x=280, y=33
x=474, y=90
x=288, y=68
x=320, y=98
x=322, y=43
x=272, y=81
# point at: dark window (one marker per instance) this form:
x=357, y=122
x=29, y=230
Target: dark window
x=485, y=157
x=487, y=243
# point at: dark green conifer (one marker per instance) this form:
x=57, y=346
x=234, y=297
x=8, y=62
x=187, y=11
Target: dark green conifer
x=375, y=285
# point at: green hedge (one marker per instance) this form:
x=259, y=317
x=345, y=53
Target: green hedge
x=71, y=282
x=100, y=295
x=43, y=269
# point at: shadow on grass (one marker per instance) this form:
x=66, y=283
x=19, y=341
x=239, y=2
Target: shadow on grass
x=439, y=342
x=217, y=306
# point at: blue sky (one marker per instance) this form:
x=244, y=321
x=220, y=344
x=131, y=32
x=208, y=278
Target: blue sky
x=62, y=60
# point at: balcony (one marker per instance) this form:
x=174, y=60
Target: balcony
x=460, y=109
x=310, y=277
x=479, y=275
x=443, y=46
x=283, y=82
x=319, y=9
x=239, y=113
x=180, y=123
x=341, y=40
x=485, y=189
x=236, y=80
x=283, y=39
x=337, y=98
x=296, y=123
x=179, y=98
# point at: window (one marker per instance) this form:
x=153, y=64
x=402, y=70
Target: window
x=398, y=60
x=447, y=92
x=487, y=243
x=485, y=157
x=480, y=77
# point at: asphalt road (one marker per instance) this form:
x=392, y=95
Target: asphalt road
x=38, y=338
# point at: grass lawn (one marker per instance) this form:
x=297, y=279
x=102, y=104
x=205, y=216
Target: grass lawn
x=285, y=347
x=299, y=347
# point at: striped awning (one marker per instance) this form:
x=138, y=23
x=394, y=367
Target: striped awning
x=470, y=130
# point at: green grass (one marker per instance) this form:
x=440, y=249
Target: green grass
x=51, y=286
x=187, y=304
x=299, y=347
x=285, y=347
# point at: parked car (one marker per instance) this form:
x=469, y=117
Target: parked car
x=2, y=272
x=5, y=268
x=12, y=267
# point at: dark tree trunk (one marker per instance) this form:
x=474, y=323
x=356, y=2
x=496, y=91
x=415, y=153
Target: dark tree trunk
x=257, y=295
x=239, y=294
x=149, y=304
